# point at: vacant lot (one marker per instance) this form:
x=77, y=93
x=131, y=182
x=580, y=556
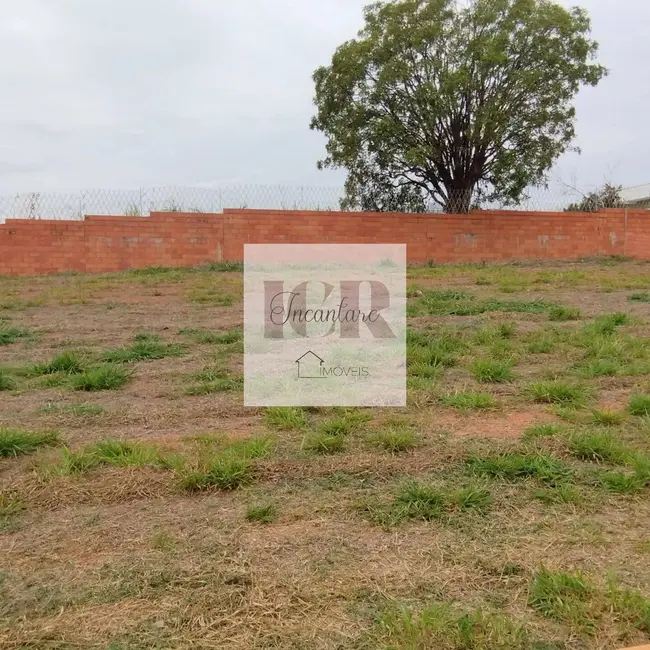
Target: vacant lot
x=142, y=506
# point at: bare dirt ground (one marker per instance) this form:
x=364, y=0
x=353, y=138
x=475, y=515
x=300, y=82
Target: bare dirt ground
x=406, y=533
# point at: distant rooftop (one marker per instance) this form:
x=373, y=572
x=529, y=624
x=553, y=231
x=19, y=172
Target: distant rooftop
x=636, y=194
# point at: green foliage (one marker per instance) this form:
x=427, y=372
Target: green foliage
x=640, y=297
x=395, y=439
x=102, y=377
x=608, y=196
x=15, y=442
x=445, y=103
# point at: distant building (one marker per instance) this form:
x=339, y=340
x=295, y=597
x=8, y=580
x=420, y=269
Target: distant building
x=637, y=196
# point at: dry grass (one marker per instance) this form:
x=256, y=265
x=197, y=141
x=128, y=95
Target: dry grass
x=438, y=526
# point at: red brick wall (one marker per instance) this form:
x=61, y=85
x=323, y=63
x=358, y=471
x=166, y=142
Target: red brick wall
x=111, y=243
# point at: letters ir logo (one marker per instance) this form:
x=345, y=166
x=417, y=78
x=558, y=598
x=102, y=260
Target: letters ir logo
x=282, y=308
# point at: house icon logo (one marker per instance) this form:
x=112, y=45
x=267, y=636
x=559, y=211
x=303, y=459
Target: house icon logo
x=310, y=366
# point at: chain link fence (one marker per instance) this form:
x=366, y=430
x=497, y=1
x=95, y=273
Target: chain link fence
x=140, y=202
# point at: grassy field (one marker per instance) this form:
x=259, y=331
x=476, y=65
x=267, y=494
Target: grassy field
x=142, y=506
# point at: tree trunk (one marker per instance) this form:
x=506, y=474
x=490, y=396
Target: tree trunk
x=459, y=200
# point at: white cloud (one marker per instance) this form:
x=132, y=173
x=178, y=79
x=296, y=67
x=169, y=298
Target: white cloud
x=124, y=94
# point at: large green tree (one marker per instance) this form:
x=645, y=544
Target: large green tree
x=448, y=102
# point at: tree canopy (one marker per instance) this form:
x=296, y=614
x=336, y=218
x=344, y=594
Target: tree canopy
x=437, y=102
x=608, y=196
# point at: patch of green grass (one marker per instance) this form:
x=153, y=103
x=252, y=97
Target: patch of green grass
x=16, y=442
x=416, y=500
x=640, y=297
x=10, y=334
x=7, y=382
x=621, y=482
x=460, y=303
x=600, y=447
x=212, y=296
x=204, y=336
x=146, y=347
x=201, y=336
x=563, y=597
x=439, y=627
x=492, y=371
x=515, y=467
x=265, y=513
x=640, y=405
x=225, y=267
x=560, y=313
x=607, y=418
x=123, y=453
x=424, y=502
x=559, y=494
x=601, y=368
x=66, y=363
x=345, y=423
x=286, y=418
x=229, y=337
x=608, y=324
x=163, y=541
x=10, y=504
x=470, y=401
x=120, y=453
x=557, y=392
x=214, y=380
x=102, y=377
x=76, y=462
x=630, y=607
x=322, y=443
x=81, y=410
x=472, y=497
x=545, y=430
x=227, y=472
x=250, y=448
x=395, y=439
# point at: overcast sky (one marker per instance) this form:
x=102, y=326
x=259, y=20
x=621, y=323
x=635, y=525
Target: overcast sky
x=129, y=93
